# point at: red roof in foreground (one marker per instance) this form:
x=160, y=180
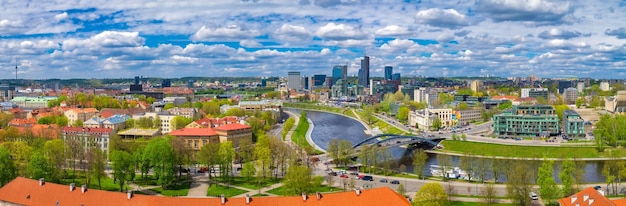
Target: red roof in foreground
x=28, y=192
x=193, y=132
x=234, y=126
x=589, y=196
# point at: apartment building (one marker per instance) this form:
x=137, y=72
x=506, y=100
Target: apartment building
x=527, y=120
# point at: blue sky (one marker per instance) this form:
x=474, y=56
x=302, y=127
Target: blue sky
x=117, y=39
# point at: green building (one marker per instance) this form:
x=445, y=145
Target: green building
x=527, y=120
x=573, y=124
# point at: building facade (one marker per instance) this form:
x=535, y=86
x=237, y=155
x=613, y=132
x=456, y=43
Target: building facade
x=388, y=72
x=605, y=86
x=364, y=72
x=573, y=124
x=294, y=81
x=570, y=95
x=535, y=93
x=465, y=117
x=32, y=102
x=527, y=120
x=89, y=137
x=422, y=119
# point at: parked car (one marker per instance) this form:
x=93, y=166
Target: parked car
x=367, y=178
x=343, y=176
x=395, y=182
x=332, y=173
x=534, y=196
x=383, y=180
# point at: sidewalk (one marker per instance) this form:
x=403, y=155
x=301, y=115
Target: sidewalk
x=199, y=186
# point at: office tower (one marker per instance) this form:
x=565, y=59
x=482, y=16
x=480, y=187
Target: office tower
x=364, y=72
x=388, y=72
x=304, y=81
x=166, y=83
x=337, y=72
x=396, y=76
x=190, y=84
x=294, y=81
x=264, y=82
x=318, y=79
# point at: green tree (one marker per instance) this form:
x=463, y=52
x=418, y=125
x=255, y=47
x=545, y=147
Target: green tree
x=545, y=179
x=248, y=171
x=5, y=118
x=559, y=110
x=21, y=154
x=38, y=166
x=144, y=123
x=437, y=124
x=419, y=162
x=77, y=123
x=55, y=151
x=208, y=155
x=505, y=105
x=98, y=165
x=180, y=122
x=489, y=194
x=431, y=194
x=235, y=112
x=211, y=108
x=169, y=106
x=401, y=190
x=161, y=155
x=445, y=98
x=122, y=164
x=462, y=106
x=519, y=182
x=227, y=154
x=468, y=163
x=568, y=168
x=156, y=123
x=300, y=180
x=403, y=113
x=580, y=102
x=130, y=123
x=8, y=170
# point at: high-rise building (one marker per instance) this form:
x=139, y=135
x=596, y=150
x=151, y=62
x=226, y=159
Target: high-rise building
x=476, y=85
x=535, y=92
x=396, y=76
x=364, y=72
x=580, y=87
x=604, y=86
x=294, y=81
x=570, y=95
x=319, y=79
x=337, y=72
x=166, y=83
x=263, y=82
x=190, y=84
x=388, y=72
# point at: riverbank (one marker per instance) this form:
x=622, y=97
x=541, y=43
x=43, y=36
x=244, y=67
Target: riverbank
x=337, y=112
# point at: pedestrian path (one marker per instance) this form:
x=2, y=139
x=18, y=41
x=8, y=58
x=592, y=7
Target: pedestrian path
x=199, y=186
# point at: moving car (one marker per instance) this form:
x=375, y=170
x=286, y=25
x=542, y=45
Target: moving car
x=367, y=178
x=343, y=176
x=395, y=182
x=383, y=180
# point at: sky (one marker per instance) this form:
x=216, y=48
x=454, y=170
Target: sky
x=211, y=38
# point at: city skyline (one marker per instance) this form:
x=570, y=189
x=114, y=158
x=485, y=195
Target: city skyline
x=109, y=39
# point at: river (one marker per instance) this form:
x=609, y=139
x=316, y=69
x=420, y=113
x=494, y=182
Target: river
x=329, y=126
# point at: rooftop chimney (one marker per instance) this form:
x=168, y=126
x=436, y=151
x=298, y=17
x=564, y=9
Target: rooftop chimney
x=41, y=181
x=83, y=188
x=129, y=194
x=304, y=196
x=574, y=198
x=591, y=200
x=319, y=195
x=72, y=186
x=358, y=191
x=247, y=199
x=223, y=199
x=585, y=197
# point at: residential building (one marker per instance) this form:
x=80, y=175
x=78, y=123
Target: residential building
x=294, y=81
x=535, y=93
x=573, y=124
x=616, y=104
x=115, y=122
x=476, y=85
x=527, y=120
x=570, y=95
x=178, y=101
x=165, y=118
x=262, y=105
x=24, y=191
x=424, y=95
x=32, y=102
x=388, y=72
x=195, y=138
x=234, y=133
x=7, y=92
x=364, y=72
x=604, y=86
x=191, y=113
x=77, y=114
x=89, y=137
x=213, y=122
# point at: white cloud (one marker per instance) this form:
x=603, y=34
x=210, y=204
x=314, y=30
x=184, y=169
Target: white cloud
x=446, y=18
x=339, y=32
x=292, y=33
x=528, y=10
x=250, y=43
x=61, y=16
x=229, y=32
x=392, y=30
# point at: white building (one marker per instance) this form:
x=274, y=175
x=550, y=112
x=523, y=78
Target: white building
x=426, y=95
x=580, y=87
x=294, y=81
x=604, y=86
x=165, y=117
x=424, y=118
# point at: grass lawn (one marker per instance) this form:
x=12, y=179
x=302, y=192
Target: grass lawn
x=260, y=195
x=176, y=190
x=299, y=135
x=218, y=190
x=312, y=106
x=79, y=179
x=280, y=190
x=454, y=203
x=253, y=185
x=488, y=149
x=142, y=181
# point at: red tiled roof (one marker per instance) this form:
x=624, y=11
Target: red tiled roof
x=234, y=126
x=28, y=192
x=193, y=132
x=41, y=130
x=18, y=122
x=586, y=197
x=87, y=129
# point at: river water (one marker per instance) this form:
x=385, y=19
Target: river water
x=329, y=126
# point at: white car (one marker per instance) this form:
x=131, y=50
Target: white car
x=533, y=196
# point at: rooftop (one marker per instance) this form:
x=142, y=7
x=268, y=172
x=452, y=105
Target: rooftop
x=234, y=126
x=193, y=132
x=26, y=191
